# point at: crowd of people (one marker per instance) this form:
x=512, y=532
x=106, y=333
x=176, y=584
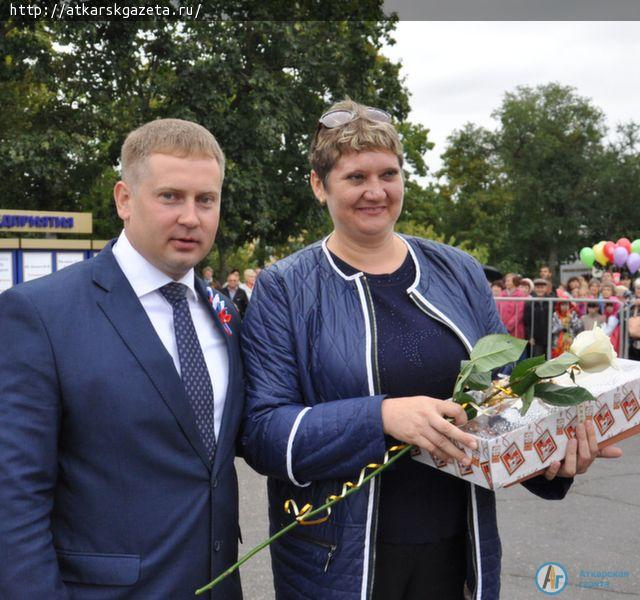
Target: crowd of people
x=526, y=307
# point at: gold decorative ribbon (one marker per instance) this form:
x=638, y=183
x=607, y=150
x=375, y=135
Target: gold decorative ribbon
x=348, y=487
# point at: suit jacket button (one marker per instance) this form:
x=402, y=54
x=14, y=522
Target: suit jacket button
x=214, y=482
x=217, y=545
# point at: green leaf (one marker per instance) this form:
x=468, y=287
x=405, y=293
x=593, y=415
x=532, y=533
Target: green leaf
x=524, y=376
x=478, y=381
x=522, y=367
x=466, y=368
x=527, y=398
x=556, y=366
x=559, y=395
x=496, y=350
x=525, y=383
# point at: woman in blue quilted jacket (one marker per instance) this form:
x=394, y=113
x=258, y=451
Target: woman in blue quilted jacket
x=355, y=342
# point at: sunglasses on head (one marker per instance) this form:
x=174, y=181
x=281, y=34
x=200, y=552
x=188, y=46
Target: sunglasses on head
x=340, y=117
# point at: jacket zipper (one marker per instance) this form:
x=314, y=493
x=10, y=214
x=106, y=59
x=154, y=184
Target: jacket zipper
x=432, y=312
x=377, y=389
x=331, y=548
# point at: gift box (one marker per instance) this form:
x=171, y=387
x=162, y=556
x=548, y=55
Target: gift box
x=512, y=447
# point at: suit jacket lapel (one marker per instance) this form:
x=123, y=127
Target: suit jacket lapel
x=123, y=309
x=223, y=436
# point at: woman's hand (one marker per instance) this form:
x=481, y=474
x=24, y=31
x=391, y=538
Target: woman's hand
x=581, y=452
x=419, y=420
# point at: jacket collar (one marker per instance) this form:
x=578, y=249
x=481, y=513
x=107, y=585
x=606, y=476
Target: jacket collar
x=359, y=274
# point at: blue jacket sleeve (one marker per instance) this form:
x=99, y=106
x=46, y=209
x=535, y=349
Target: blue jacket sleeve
x=283, y=436
x=29, y=427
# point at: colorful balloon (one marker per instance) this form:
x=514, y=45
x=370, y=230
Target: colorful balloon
x=620, y=256
x=587, y=256
x=608, y=249
x=624, y=243
x=635, y=246
x=633, y=262
x=599, y=254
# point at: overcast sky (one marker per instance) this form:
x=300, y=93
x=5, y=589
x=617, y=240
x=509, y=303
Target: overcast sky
x=459, y=71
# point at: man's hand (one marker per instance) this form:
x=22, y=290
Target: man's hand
x=581, y=452
x=419, y=420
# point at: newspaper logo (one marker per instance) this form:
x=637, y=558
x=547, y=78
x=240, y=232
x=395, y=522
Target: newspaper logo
x=604, y=419
x=512, y=458
x=545, y=446
x=551, y=578
x=629, y=406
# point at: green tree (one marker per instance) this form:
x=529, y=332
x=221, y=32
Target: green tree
x=549, y=144
x=475, y=202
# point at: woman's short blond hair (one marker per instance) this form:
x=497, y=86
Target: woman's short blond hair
x=175, y=137
x=360, y=134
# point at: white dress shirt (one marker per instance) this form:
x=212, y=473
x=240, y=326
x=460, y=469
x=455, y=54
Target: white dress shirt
x=146, y=281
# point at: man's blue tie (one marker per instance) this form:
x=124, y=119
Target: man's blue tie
x=193, y=367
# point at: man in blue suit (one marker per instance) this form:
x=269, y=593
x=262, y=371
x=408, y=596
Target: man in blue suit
x=120, y=398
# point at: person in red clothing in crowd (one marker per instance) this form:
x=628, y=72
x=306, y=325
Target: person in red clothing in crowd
x=512, y=313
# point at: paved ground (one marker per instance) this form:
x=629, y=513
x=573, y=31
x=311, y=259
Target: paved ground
x=595, y=529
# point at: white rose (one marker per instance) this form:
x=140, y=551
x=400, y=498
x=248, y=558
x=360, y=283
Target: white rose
x=594, y=350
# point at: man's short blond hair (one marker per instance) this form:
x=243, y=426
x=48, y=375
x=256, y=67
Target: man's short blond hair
x=174, y=137
x=360, y=134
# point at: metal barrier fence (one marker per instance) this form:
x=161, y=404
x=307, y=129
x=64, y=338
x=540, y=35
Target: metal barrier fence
x=521, y=304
